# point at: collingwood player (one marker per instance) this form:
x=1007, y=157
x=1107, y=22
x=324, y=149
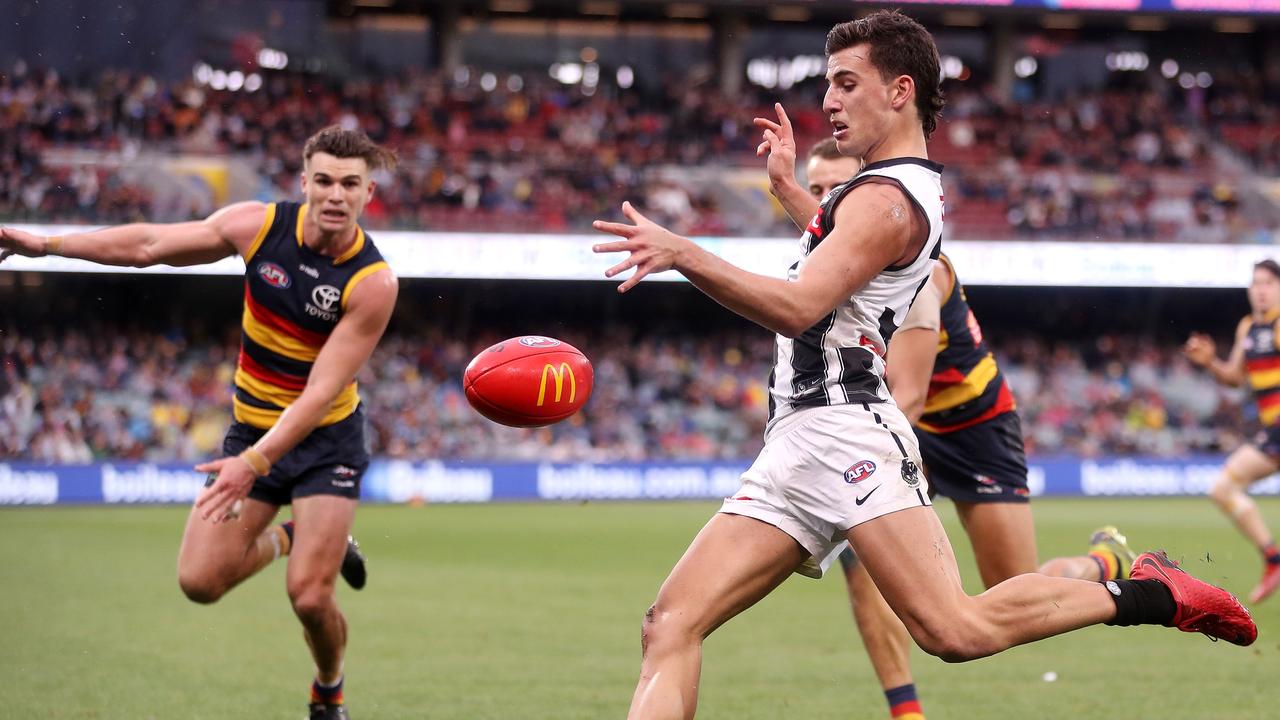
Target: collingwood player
x=840, y=461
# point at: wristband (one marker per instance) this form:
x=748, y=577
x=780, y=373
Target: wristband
x=53, y=245
x=256, y=460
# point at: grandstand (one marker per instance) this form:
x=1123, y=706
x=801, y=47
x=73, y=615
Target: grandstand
x=1112, y=174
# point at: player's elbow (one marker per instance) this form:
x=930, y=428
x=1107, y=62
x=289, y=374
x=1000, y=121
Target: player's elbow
x=911, y=404
x=799, y=318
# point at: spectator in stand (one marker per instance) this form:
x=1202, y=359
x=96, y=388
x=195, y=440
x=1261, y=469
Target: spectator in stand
x=111, y=393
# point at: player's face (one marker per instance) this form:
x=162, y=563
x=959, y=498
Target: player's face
x=858, y=102
x=337, y=189
x=1264, y=291
x=824, y=174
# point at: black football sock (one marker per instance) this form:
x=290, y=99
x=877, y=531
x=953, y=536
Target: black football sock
x=1141, y=602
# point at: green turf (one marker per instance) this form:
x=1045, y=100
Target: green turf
x=532, y=611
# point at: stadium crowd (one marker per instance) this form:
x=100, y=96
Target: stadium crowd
x=1134, y=163
x=76, y=396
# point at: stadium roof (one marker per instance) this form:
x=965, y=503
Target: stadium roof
x=951, y=13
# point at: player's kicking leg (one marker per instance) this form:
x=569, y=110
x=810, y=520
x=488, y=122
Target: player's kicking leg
x=319, y=547
x=214, y=558
x=910, y=559
x=886, y=639
x=732, y=563
x=1244, y=467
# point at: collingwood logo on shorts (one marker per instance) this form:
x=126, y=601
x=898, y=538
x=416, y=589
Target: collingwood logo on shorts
x=910, y=473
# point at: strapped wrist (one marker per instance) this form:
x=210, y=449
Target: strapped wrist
x=254, y=458
x=53, y=245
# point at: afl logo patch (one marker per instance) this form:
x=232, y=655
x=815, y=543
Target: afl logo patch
x=274, y=275
x=859, y=471
x=538, y=341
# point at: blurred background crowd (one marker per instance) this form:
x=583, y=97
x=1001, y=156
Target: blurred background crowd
x=70, y=396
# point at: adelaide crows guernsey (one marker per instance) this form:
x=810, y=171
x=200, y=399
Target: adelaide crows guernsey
x=293, y=298
x=967, y=387
x=841, y=358
x=1262, y=366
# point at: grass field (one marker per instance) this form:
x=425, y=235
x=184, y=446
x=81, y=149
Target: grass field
x=532, y=611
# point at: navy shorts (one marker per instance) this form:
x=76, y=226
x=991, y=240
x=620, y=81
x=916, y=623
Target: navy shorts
x=979, y=464
x=1268, y=441
x=329, y=461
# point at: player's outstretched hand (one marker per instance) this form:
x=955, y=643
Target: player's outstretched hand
x=1200, y=349
x=653, y=248
x=219, y=502
x=17, y=242
x=779, y=140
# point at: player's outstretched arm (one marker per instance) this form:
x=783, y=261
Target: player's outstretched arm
x=368, y=310
x=779, y=140
x=1201, y=350
x=914, y=347
x=230, y=230
x=873, y=228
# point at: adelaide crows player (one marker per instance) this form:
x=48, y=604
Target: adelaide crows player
x=1255, y=359
x=318, y=297
x=840, y=462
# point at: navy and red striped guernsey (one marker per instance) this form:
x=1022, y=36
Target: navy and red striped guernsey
x=293, y=298
x=1262, y=365
x=967, y=386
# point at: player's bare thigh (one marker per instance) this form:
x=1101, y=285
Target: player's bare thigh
x=321, y=526
x=1247, y=465
x=909, y=557
x=212, y=553
x=732, y=563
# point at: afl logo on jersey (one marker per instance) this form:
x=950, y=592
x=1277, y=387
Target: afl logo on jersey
x=859, y=471
x=538, y=341
x=274, y=275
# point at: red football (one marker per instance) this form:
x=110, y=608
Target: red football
x=528, y=381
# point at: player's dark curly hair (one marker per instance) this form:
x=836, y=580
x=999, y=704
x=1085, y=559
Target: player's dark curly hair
x=342, y=143
x=899, y=46
x=1269, y=265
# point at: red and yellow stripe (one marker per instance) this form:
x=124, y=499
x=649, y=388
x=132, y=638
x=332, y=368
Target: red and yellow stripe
x=1004, y=403
x=951, y=388
x=279, y=335
x=1269, y=407
x=1263, y=372
x=265, y=418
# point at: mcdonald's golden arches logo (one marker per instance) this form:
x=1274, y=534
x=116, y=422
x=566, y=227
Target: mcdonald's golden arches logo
x=558, y=374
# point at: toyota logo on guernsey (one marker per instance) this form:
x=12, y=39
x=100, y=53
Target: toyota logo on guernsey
x=326, y=297
x=274, y=275
x=859, y=471
x=538, y=341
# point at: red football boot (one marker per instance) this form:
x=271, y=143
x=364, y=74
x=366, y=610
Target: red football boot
x=1201, y=607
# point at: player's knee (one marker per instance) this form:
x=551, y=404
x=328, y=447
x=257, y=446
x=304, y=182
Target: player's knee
x=661, y=628
x=310, y=600
x=952, y=641
x=1224, y=491
x=200, y=588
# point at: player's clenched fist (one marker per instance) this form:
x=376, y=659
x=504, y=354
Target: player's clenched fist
x=18, y=242
x=1200, y=349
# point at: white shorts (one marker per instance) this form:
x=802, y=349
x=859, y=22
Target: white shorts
x=824, y=470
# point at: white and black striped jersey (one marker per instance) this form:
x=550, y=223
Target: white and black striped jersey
x=841, y=358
